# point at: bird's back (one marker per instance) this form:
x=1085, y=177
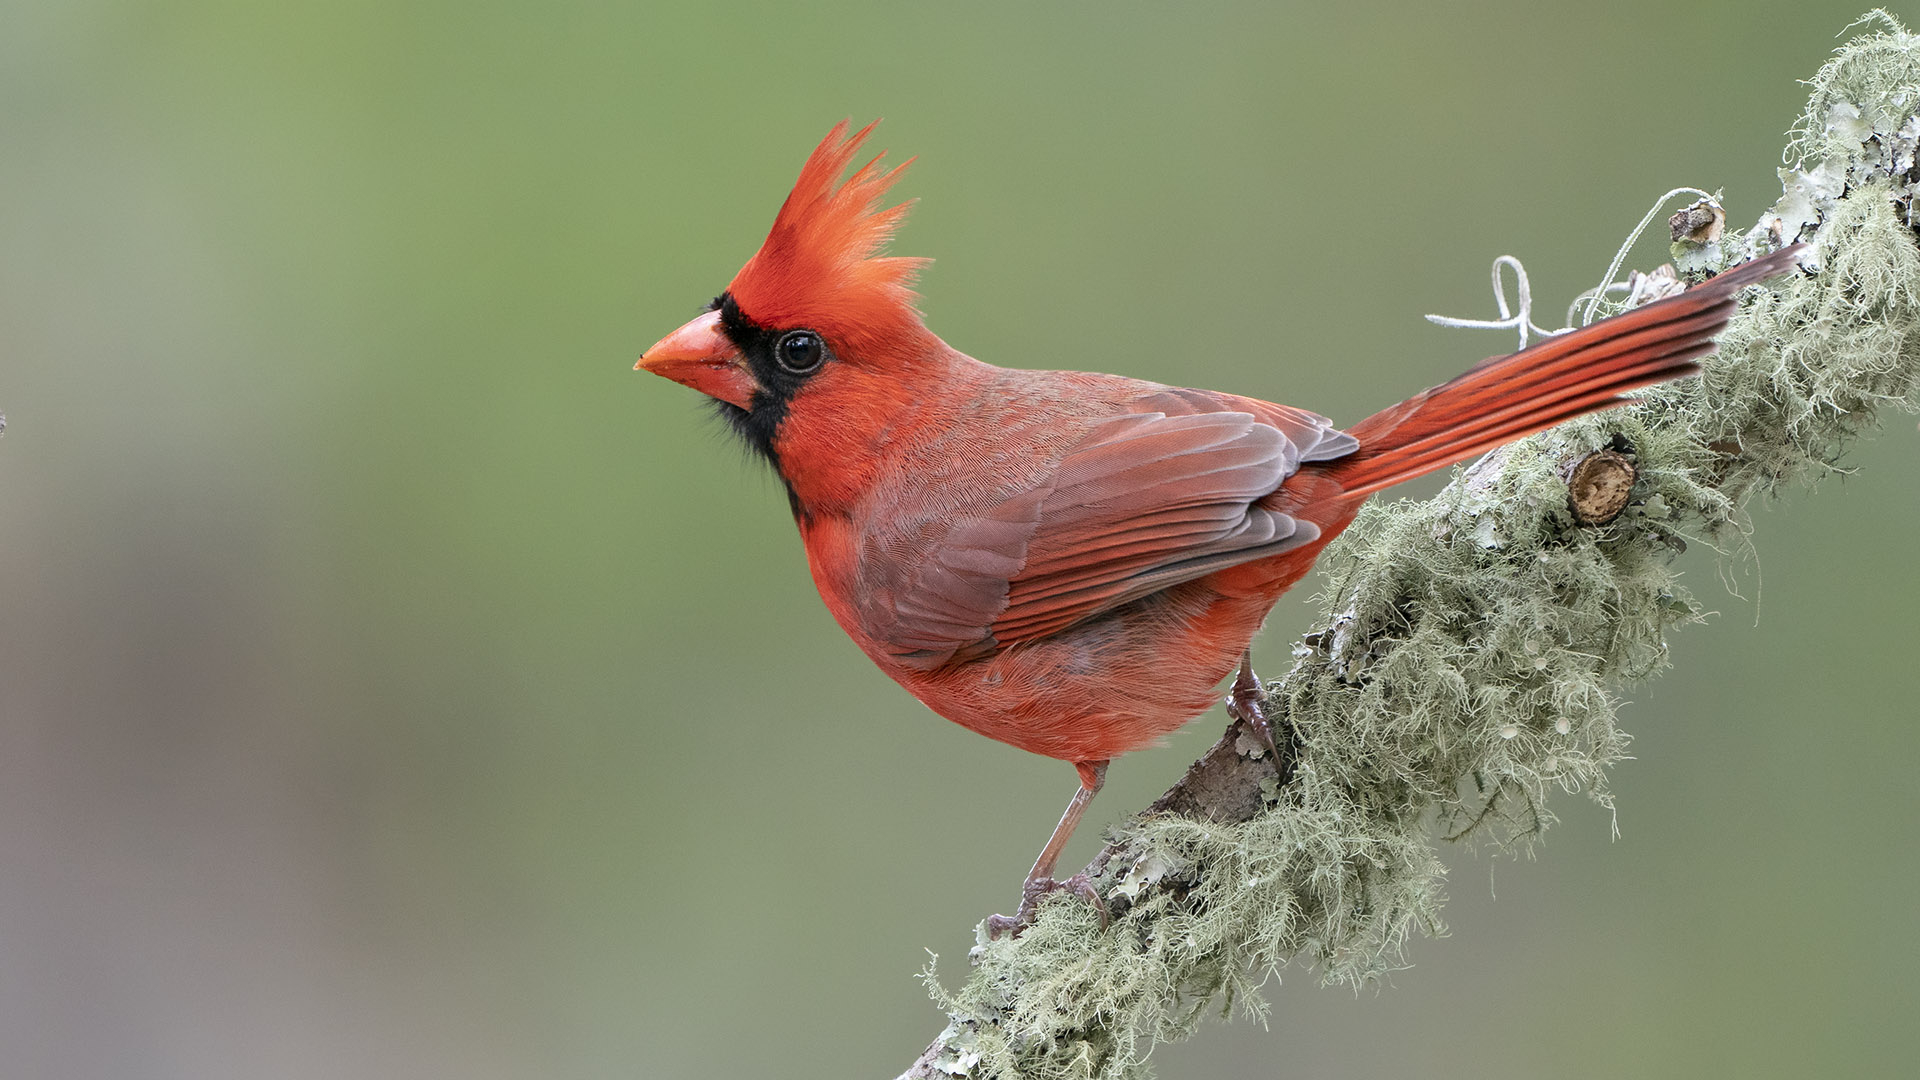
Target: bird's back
x=999, y=506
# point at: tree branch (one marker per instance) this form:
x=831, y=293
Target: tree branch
x=1459, y=668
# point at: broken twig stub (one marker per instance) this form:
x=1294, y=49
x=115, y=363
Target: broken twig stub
x=1598, y=487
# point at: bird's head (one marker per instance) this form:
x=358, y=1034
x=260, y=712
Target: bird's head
x=818, y=324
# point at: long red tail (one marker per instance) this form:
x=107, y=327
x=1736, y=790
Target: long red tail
x=1509, y=397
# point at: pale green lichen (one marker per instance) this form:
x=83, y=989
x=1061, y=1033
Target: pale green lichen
x=1463, y=667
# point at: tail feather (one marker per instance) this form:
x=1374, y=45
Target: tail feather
x=1510, y=397
x=1631, y=360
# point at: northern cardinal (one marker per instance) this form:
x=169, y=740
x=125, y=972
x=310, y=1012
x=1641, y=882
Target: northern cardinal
x=1066, y=561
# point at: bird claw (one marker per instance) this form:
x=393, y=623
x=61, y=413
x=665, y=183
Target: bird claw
x=1036, y=890
x=1243, y=704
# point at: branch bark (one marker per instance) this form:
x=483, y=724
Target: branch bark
x=1460, y=668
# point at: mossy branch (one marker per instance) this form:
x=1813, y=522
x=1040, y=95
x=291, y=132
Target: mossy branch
x=1461, y=665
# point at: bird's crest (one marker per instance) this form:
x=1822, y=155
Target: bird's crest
x=821, y=266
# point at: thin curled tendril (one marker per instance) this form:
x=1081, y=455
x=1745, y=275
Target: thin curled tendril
x=1522, y=319
x=1509, y=319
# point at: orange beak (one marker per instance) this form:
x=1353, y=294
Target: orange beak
x=700, y=355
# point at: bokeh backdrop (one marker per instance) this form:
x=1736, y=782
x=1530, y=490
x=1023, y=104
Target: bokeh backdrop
x=395, y=684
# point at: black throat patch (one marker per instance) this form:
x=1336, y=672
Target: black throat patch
x=759, y=423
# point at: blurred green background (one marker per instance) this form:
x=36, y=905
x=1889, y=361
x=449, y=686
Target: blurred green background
x=395, y=684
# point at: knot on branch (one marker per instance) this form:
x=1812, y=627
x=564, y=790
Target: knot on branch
x=1599, y=485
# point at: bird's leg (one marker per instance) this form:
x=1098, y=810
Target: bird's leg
x=1040, y=880
x=1243, y=704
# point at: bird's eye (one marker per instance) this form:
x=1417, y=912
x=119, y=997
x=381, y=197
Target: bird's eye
x=800, y=351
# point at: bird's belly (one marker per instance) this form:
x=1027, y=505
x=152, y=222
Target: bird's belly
x=1107, y=686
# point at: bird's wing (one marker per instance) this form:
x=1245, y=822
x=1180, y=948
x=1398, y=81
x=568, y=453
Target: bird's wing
x=1145, y=500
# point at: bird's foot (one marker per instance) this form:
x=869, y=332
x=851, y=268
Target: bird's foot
x=1243, y=704
x=1036, y=890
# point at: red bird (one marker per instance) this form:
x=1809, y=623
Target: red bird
x=1066, y=561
